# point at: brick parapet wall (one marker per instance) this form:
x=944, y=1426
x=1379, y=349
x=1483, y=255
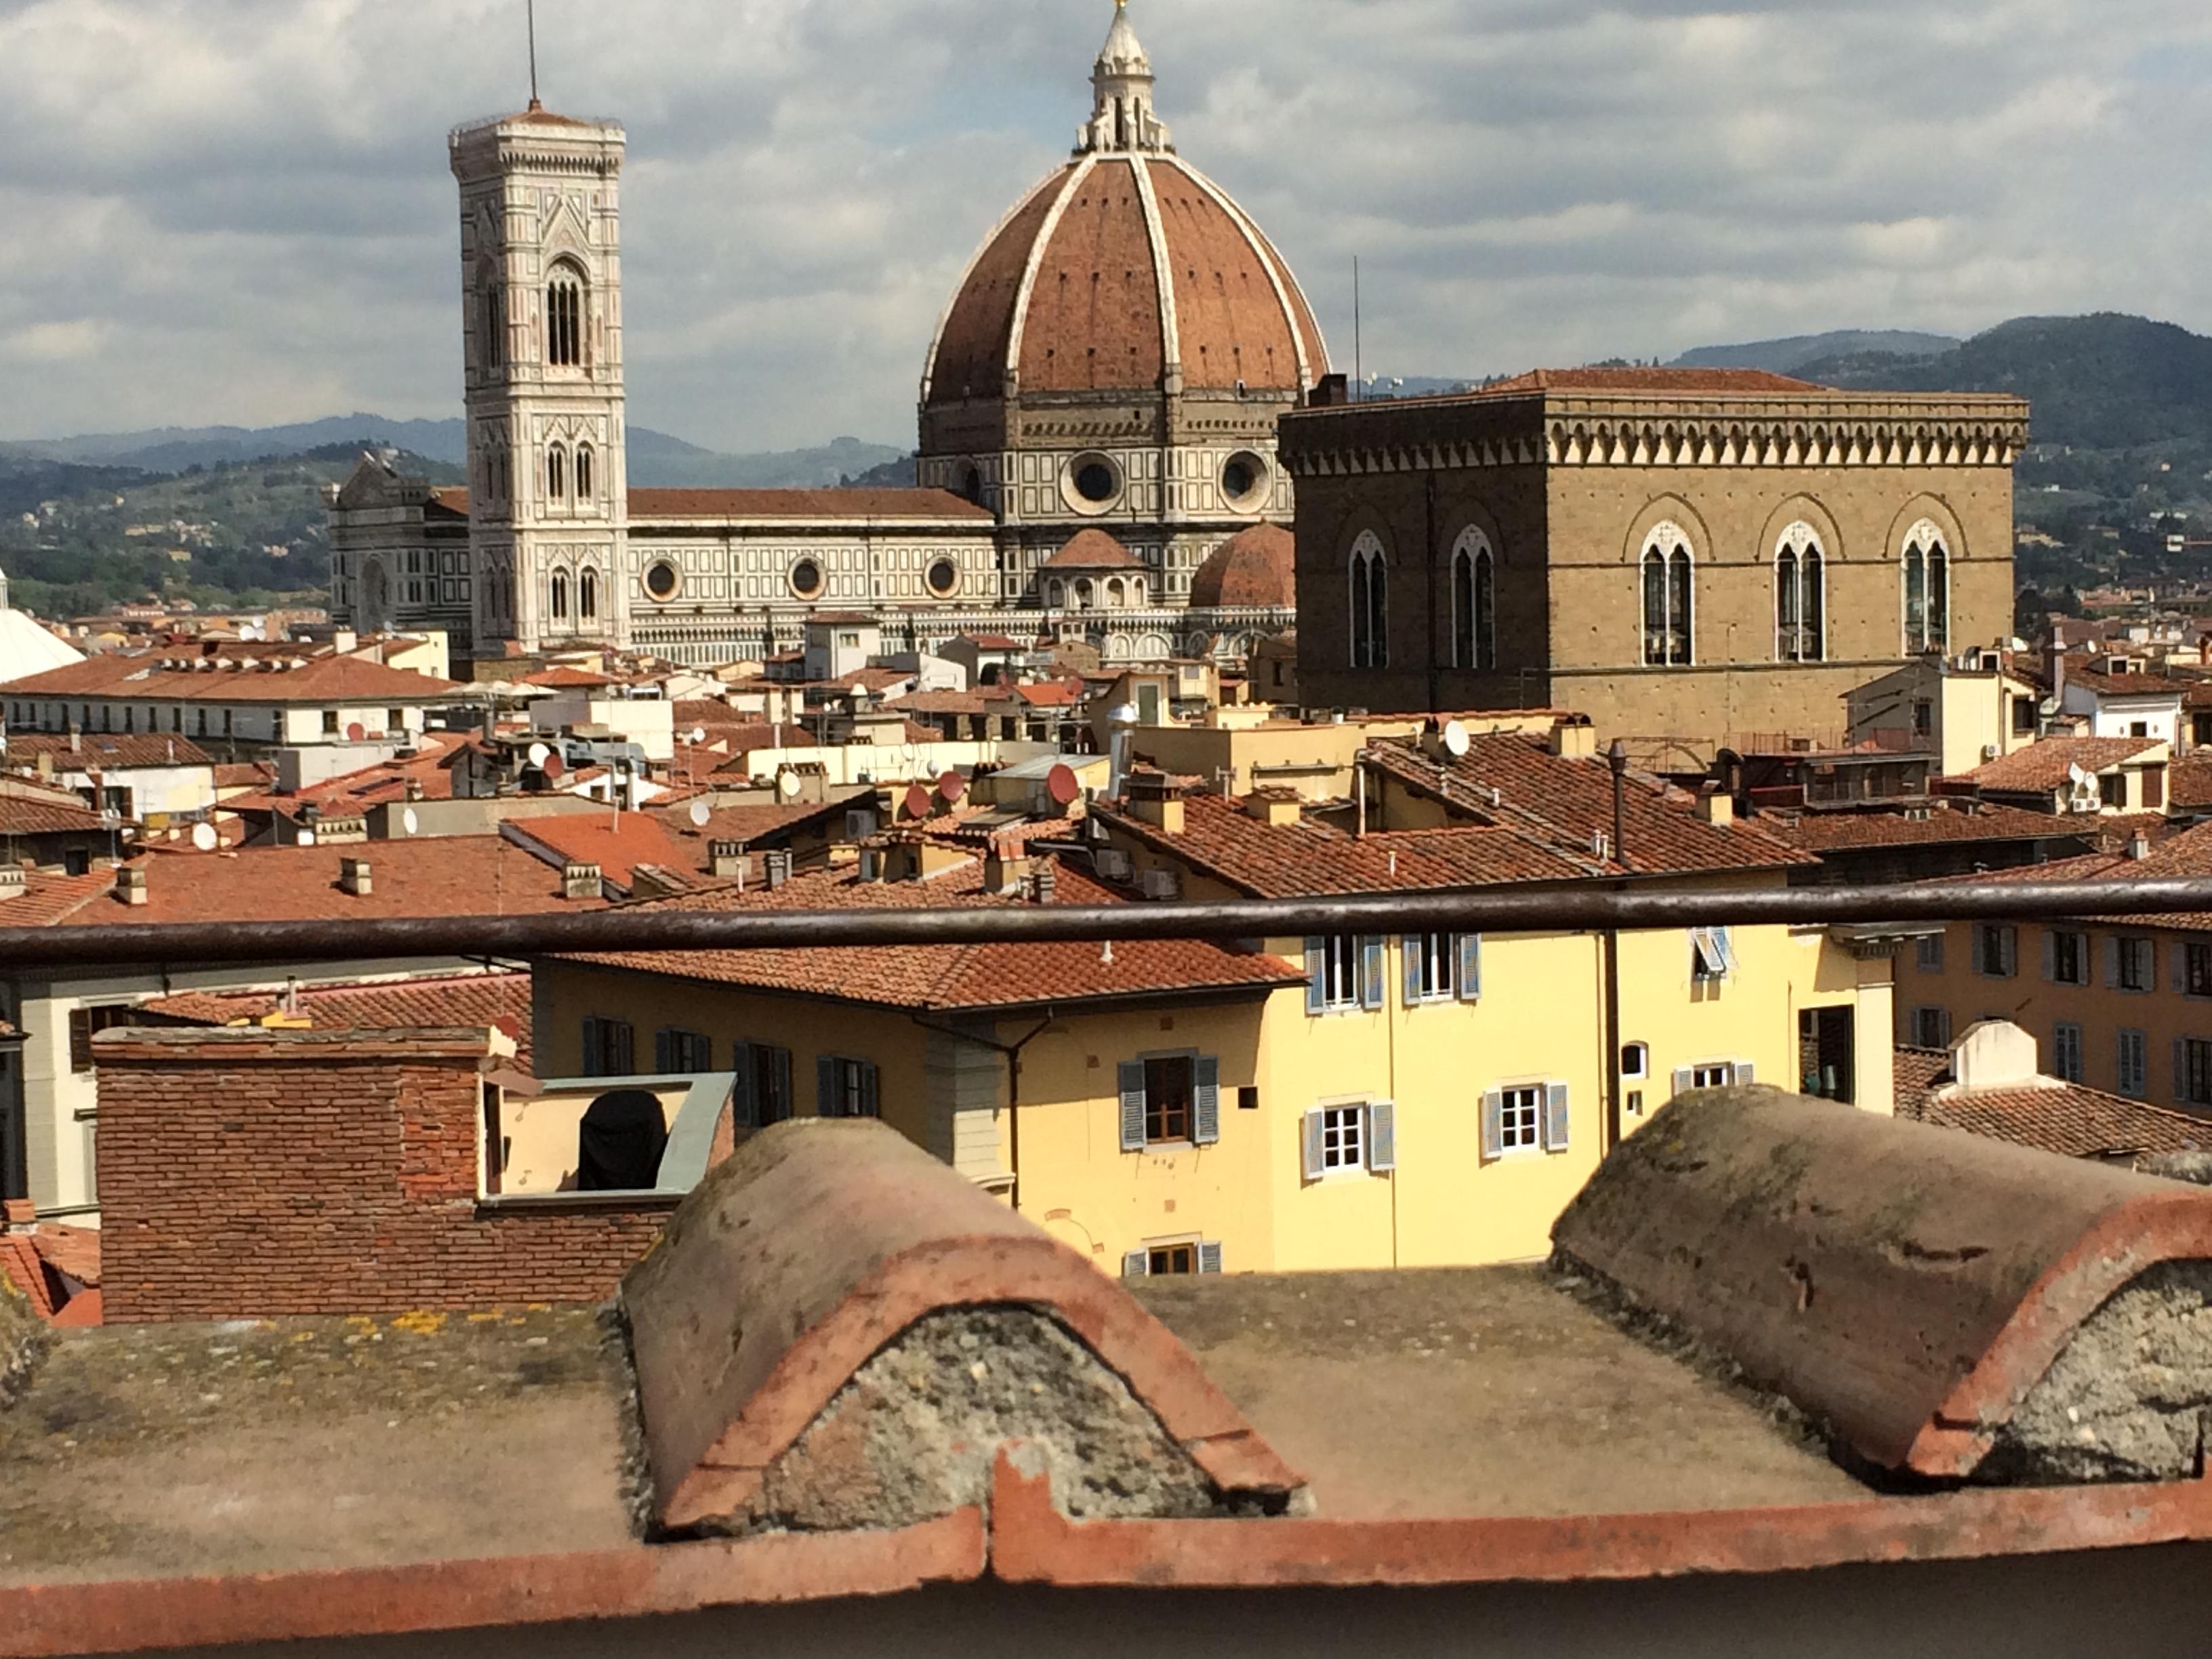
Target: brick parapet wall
x=269, y=1177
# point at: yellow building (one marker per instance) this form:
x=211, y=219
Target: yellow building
x=1304, y=1103
x=2124, y=1005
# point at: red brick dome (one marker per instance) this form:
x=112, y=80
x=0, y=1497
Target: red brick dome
x=1254, y=569
x=1125, y=270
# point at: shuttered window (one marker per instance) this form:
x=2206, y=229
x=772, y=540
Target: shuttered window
x=1928, y=953
x=846, y=1087
x=1359, y=1137
x=1180, y=1256
x=609, y=1047
x=2066, y=1052
x=1170, y=1100
x=1996, y=951
x=763, y=1088
x=676, y=1053
x=1530, y=1117
x=83, y=1023
x=1712, y=954
x=1344, y=971
x=1931, y=1028
x=2193, y=1071
x=2134, y=1064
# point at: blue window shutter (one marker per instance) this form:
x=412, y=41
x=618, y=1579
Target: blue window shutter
x=1316, y=974
x=1557, y=1122
x=1309, y=1135
x=872, y=1100
x=1371, y=970
x=744, y=1110
x=2051, y=953
x=1136, y=1264
x=1382, y=1136
x=1469, y=981
x=1209, y=1258
x=825, y=1085
x=1410, y=952
x=1493, y=1124
x=1745, y=1072
x=2149, y=950
x=1132, y=1073
x=1725, y=938
x=1684, y=1078
x=1206, y=1100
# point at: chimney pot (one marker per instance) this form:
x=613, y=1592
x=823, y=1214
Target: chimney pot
x=579, y=881
x=131, y=884
x=354, y=878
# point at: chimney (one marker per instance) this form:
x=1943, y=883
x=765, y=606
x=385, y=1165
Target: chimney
x=1717, y=807
x=414, y=789
x=1575, y=740
x=1274, y=807
x=341, y=832
x=2139, y=845
x=579, y=881
x=354, y=878
x=1046, y=880
x=1005, y=870
x=725, y=859
x=1154, y=800
x=77, y=739
x=1994, y=1053
x=130, y=884
x=777, y=868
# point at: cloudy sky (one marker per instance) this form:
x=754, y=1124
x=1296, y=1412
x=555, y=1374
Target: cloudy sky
x=239, y=210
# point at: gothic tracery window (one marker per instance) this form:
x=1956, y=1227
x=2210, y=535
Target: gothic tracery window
x=584, y=470
x=556, y=472
x=560, y=596
x=1369, y=604
x=587, y=596
x=1474, y=602
x=564, y=317
x=1669, y=599
x=1927, y=590
x=1800, y=628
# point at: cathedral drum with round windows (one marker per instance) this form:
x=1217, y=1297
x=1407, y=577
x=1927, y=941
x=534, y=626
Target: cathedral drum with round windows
x=663, y=581
x=944, y=579
x=806, y=579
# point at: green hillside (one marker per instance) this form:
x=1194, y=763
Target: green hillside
x=76, y=539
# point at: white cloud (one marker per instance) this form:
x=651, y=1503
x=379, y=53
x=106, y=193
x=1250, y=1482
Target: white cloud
x=239, y=209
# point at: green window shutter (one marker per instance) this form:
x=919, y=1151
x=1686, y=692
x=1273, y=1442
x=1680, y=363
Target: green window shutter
x=1469, y=984
x=786, y=1104
x=825, y=1086
x=1132, y=1074
x=1381, y=1136
x=1205, y=1101
x=1309, y=1136
x=1493, y=1124
x=744, y=1110
x=872, y=1099
x=1136, y=1264
x=1410, y=952
x=1209, y=1258
x=595, y=1062
x=1316, y=974
x=1557, y=1122
x=1371, y=970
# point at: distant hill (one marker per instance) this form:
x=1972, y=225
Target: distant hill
x=1791, y=356
x=657, y=460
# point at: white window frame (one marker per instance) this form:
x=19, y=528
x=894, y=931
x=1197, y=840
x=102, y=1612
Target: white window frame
x=1662, y=543
x=1350, y=1137
x=1343, y=1139
x=1714, y=1074
x=1712, y=955
x=1635, y=1061
x=1921, y=542
x=1517, y=1139
x=1801, y=545
x=2132, y=1080
x=1439, y=966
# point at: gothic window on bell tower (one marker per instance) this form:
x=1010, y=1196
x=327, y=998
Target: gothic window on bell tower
x=564, y=317
x=556, y=473
x=583, y=473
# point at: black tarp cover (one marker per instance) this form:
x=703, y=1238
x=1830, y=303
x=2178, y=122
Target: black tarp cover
x=619, y=1143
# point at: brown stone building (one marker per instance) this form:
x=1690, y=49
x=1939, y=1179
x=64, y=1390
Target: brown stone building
x=1682, y=555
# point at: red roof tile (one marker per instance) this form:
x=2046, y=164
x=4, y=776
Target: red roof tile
x=950, y=976
x=501, y=1000
x=2124, y=685
x=178, y=676
x=566, y=679
x=1825, y=832
x=1698, y=382
x=1254, y=568
x=2044, y=764
x=104, y=751
x=1092, y=549
x=30, y=809
x=2053, y=1116
x=617, y=843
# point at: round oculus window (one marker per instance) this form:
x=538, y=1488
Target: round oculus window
x=1093, y=481
x=943, y=578
x=663, y=580
x=1243, y=478
x=806, y=579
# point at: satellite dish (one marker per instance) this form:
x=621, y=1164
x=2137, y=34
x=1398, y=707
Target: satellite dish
x=1455, y=739
x=701, y=814
x=786, y=785
x=2047, y=707
x=204, y=837
x=553, y=766
x=539, y=751
x=2076, y=776
x=1062, y=785
x=409, y=822
x=355, y=731
x=698, y=736
x=953, y=787
x=917, y=802
x=307, y=838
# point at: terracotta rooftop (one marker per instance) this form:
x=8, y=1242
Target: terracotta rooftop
x=567, y=679
x=2044, y=764
x=31, y=809
x=2069, y=1118
x=1668, y=381
x=499, y=1000
x=973, y=702
x=1092, y=549
x=178, y=676
x=749, y=824
x=460, y=875
x=1256, y=567
x=2189, y=782
x=2125, y=685
x=1828, y=832
x=942, y=977
x=104, y=751
x=1564, y=803
x=616, y=842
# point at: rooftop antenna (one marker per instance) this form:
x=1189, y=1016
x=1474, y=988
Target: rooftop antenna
x=531, y=6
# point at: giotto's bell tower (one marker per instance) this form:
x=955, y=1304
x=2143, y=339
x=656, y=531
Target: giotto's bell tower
x=541, y=270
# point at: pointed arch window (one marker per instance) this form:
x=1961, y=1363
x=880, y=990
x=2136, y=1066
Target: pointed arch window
x=1669, y=574
x=564, y=317
x=1370, y=603
x=1801, y=624
x=556, y=472
x=587, y=596
x=585, y=469
x=560, y=596
x=1927, y=590
x=493, y=348
x=1473, y=601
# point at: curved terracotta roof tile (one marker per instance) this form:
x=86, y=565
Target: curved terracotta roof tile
x=1256, y=567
